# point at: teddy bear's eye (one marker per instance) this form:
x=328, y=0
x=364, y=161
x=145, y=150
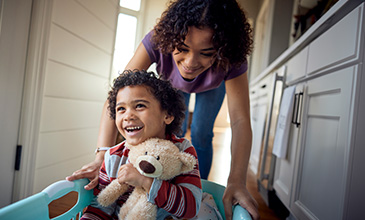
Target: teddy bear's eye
x=158, y=158
x=145, y=153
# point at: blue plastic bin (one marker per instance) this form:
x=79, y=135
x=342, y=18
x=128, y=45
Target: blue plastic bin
x=36, y=206
x=217, y=191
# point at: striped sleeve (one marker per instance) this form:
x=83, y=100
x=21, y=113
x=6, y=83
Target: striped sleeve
x=113, y=159
x=182, y=195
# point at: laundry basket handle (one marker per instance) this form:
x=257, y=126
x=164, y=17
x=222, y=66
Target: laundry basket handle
x=63, y=187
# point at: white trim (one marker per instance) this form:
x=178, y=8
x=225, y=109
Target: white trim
x=110, y=79
x=32, y=97
x=140, y=24
x=1, y=12
x=140, y=15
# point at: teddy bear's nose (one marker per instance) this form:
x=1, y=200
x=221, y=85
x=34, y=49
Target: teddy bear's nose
x=146, y=167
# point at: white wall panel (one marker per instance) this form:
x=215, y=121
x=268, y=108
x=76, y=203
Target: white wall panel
x=50, y=174
x=80, y=50
x=65, y=114
x=155, y=9
x=55, y=147
x=83, y=24
x=103, y=9
x=67, y=82
x=69, y=49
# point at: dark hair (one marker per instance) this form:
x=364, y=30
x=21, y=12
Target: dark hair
x=232, y=37
x=170, y=99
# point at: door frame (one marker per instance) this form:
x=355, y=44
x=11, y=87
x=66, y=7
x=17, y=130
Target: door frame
x=15, y=16
x=32, y=97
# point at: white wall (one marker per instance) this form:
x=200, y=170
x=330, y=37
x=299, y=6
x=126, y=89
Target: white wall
x=153, y=11
x=80, y=50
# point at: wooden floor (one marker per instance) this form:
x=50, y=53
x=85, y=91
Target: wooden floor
x=218, y=174
x=221, y=167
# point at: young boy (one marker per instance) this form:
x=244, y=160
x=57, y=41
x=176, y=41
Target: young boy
x=143, y=107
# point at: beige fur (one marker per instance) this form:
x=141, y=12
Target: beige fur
x=165, y=159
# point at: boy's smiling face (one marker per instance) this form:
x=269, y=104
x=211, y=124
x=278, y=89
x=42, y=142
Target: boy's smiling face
x=139, y=115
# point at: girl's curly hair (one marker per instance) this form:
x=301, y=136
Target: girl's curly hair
x=170, y=99
x=232, y=37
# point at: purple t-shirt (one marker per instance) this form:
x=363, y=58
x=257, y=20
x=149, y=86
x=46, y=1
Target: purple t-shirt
x=209, y=79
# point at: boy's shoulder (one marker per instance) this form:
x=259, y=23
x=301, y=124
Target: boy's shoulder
x=119, y=149
x=182, y=143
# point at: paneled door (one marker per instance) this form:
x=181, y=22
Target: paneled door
x=14, y=30
x=321, y=177
x=284, y=167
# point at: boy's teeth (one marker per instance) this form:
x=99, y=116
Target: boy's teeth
x=133, y=128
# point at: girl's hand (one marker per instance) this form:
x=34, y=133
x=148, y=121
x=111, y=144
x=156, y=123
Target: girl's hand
x=90, y=171
x=129, y=174
x=237, y=193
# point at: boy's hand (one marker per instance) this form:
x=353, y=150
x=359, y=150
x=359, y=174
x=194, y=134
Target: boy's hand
x=129, y=174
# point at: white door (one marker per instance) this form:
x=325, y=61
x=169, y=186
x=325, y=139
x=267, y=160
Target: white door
x=284, y=167
x=14, y=31
x=320, y=184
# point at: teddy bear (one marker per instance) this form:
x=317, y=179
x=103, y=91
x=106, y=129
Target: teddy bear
x=155, y=158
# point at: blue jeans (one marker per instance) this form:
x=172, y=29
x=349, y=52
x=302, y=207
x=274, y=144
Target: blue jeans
x=207, y=106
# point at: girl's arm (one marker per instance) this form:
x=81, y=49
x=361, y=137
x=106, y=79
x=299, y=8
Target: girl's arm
x=239, y=111
x=107, y=130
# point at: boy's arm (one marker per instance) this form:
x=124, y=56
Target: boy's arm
x=95, y=210
x=103, y=176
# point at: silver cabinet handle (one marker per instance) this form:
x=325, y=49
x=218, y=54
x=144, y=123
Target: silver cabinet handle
x=267, y=129
x=295, y=117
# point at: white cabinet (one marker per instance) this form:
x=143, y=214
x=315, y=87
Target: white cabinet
x=338, y=44
x=319, y=187
x=284, y=172
x=321, y=174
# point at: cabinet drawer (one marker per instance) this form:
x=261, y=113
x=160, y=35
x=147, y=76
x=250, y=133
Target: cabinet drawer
x=297, y=66
x=338, y=44
x=253, y=92
x=264, y=86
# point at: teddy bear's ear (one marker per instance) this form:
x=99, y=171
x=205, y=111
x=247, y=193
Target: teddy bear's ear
x=188, y=162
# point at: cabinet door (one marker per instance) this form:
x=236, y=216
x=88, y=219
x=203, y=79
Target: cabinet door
x=321, y=177
x=284, y=169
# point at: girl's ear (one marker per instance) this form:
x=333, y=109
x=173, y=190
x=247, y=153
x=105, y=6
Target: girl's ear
x=168, y=119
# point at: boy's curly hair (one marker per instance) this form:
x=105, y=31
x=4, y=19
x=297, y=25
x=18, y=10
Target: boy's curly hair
x=232, y=37
x=170, y=99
